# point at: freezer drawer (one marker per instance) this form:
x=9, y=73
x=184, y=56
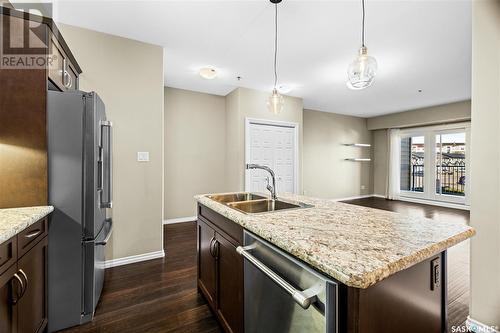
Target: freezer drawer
x=94, y=254
x=282, y=294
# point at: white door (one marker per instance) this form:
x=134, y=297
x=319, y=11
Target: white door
x=274, y=146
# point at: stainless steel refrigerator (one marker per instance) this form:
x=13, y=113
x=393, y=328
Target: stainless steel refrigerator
x=80, y=189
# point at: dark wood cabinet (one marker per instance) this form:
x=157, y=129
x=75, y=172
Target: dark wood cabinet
x=23, y=284
x=9, y=288
x=32, y=306
x=23, y=101
x=230, y=285
x=206, y=261
x=220, y=268
x=61, y=71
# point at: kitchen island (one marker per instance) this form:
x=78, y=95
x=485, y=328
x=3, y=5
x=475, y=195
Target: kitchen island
x=390, y=269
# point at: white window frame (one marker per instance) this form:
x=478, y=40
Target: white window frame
x=429, y=133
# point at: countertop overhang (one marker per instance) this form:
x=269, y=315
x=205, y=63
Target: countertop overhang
x=15, y=220
x=357, y=246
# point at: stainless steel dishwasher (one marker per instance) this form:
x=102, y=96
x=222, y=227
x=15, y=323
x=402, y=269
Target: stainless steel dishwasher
x=282, y=294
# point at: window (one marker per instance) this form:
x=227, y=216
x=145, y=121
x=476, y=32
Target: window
x=412, y=163
x=450, y=164
x=433, y=163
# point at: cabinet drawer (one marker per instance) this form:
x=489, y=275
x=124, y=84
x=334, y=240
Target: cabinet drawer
x=30, y=236
x=8, y=254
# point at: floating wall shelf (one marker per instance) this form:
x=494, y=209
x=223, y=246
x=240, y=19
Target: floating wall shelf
x=362, y=145
x=359, y=145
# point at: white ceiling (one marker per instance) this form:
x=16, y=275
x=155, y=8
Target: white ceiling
x=418, y=45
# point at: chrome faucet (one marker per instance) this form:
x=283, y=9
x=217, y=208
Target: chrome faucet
x=270, y=188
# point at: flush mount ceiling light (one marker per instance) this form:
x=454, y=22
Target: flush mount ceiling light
x=276, y=102
x=208, y=73
x=362, y=70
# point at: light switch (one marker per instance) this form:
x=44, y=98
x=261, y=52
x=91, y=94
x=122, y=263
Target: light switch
x=143, y=156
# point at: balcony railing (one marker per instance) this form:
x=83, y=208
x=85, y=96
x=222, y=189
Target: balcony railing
x=450, y=178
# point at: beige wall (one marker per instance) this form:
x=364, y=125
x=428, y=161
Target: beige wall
x=195, y=149
x=128, y=75
x=243, y=103
x=326, y=172
x=233, y=149
x=485, y=186
x=447, y=113
x=380, y=161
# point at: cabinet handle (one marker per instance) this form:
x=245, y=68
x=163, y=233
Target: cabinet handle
x=26, y=282
x=67, y=79
x=33, y=233
x=216, y=248
x=212, y=241
x=21, y=284
x=302, y=297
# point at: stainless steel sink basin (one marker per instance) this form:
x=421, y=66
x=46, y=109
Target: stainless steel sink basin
x=235, y=197
x=265, y=205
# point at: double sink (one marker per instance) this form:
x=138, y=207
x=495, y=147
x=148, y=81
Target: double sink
x=250, y=203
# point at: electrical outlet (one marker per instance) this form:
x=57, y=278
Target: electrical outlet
x=363, y=187
x=143, y=156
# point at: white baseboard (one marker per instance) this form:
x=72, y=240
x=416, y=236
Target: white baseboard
x=478, y=327
x=353, y=198
x=180, y=220
x=434, y=203
x=379, y=196
x=132, y=259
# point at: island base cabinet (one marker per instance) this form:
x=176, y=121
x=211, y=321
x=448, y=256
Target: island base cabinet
x=220, y=269
x=206, y=262
x=411, y=301
x=230, y=285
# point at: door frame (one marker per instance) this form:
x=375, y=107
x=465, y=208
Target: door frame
x=277, y=123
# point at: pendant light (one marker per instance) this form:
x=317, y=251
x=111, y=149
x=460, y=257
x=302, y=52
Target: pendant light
x=276, y=101
x=362, y=70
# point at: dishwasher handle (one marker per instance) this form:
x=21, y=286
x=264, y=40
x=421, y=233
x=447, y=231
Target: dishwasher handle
x=303, y=298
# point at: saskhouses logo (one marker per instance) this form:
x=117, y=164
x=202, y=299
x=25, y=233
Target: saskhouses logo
x=24, y=40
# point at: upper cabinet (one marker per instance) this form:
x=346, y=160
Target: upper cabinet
x=34, y=58
x=62, y=70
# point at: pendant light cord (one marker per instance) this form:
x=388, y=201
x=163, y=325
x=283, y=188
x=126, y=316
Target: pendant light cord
x=363, y=24
x=275, y=44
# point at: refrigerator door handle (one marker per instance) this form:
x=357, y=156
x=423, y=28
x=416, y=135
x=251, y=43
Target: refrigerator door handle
x=109, y=182
x=108, y=236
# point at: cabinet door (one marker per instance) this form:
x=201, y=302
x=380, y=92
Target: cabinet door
x=229, y=285
x=206, y=261
x=32, y=306
x=61, y=71
x=8, y=291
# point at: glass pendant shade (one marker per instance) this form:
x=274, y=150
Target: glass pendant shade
x=362, y=70
x=275, y=102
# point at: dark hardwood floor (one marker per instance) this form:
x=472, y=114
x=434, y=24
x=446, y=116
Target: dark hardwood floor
x=157, y=295
x=161, y=295
x=458, y=255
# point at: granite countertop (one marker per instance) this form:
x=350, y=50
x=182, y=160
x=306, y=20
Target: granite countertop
x=15, y=220
x=357, y=246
